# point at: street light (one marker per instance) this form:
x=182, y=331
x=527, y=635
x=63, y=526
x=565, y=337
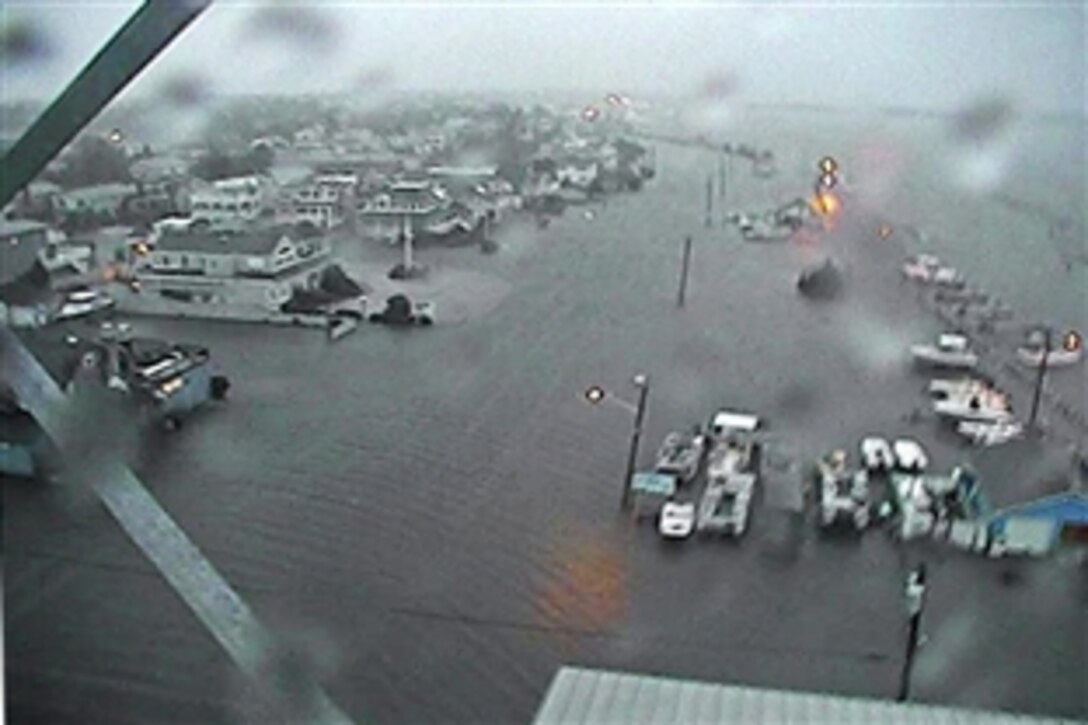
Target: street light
x=916, y=601
x=596, y=395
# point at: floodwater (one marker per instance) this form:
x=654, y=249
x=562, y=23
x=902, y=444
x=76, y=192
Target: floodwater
x=430, y=516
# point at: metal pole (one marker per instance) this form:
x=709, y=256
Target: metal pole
x=1040, y=377
x=643, y=384
x=709, y=198
x=150, y=29
x=916, y=591
x=684, y=272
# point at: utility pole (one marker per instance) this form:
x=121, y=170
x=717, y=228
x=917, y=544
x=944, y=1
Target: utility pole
x=709, y=199
x=643, y=383
x=684, y=266
x=1047, y=342
x=916, y=600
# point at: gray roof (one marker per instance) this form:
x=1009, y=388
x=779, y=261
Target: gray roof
x=260, y=241
x=100, y=191
x=13, y=227
x=600, y=697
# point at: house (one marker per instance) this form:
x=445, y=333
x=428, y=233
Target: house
x=36, y=200
x=159, y=168
x=253, y=269
x=231, y=203
x=21, y=244
x=101, y=199
x=388, y=211
x=319, y=205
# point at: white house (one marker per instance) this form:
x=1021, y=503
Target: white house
x=385, y=212
x=252, y=269
x=230, y=202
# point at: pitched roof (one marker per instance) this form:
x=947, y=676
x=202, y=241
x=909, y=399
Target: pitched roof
x=258, y=241
x=100, y=191
x=579, y=695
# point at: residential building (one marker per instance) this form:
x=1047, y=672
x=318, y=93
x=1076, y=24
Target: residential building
x=400, y=205
x=319, y=205
x=101, y=199
x=231, y=203
x=257, y=268
x=21, y=243
x=36, y=200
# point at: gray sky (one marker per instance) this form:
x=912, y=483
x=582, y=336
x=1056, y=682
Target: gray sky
x=934, y=56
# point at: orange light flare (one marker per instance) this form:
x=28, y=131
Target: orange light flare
x=825, y=204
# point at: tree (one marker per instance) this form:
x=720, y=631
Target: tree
x=94, y=160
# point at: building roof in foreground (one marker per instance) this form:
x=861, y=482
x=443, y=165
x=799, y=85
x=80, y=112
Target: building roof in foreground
x=600, y=697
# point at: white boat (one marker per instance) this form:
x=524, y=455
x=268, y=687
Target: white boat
x=1032, y=356
x=974, y=407
x=990, y=434
x=921, y=268
x=951, y=351
x=341, y=326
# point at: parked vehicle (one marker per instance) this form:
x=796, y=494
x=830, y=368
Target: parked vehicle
x=677, y=520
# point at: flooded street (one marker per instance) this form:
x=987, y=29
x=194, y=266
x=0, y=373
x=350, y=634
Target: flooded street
x=432, y=514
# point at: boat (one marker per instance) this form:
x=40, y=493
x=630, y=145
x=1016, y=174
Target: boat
x=1032, y=356
x=341, y=326
x=985, y=406
x=951, y=351
x=681, y=455
x=921, y=267
x=990, y=434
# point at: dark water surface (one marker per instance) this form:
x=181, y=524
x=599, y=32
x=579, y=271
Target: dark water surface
x=431, y=515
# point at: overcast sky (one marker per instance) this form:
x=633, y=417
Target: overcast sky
x=933, y=56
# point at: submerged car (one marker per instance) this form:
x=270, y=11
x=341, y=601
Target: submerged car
x=677, y=520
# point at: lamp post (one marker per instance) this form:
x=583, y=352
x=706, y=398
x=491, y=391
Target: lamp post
x=597, y=395
x=1041, y=377
x=916, y=600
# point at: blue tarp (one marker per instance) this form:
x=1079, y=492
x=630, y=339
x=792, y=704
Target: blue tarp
x=1063, y=508
x=653, y=483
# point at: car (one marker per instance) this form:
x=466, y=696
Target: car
x=910, y=455
x=677, y=520
x=876, y=454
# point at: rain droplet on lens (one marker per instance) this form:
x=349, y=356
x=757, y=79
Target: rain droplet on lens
x=983, y=120
x=23, y=42
x=719, y=85
x=294, y=25
x=185, y=90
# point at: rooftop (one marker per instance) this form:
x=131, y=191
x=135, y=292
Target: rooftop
x=579, y=695
x=258, y=241
x=100, y=191
x=14, y=227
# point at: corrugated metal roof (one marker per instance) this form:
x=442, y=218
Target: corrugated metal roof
x=601, y=697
